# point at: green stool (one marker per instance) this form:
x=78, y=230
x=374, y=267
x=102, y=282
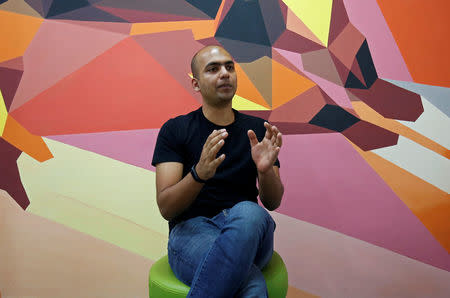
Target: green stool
x=164, y=284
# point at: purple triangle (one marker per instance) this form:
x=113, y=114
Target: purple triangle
x=9, y=81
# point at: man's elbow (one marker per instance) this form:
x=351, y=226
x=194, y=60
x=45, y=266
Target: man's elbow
x=273, y=206
x=163, y=209
x=275, y=202
x=164, y=214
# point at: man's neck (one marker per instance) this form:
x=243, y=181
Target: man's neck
x=221, y=116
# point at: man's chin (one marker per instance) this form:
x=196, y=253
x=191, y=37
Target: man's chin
x=226, y=96
x=226, y=99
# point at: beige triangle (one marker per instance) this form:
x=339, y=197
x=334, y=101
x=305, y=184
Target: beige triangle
x=21, y=7
x=260, y=74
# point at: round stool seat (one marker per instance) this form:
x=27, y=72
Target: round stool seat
x=164, y=284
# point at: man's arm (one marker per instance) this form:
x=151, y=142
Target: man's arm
x=264, y=155
x=270, y=188
x=175, y=194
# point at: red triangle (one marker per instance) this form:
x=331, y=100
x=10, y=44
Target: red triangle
x=124, y=88
x=16, y=63
x=356, y=70
x=9, y=81
x=301, y=109
x=340, y=67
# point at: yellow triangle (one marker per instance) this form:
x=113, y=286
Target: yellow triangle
x=296, y=25
x=242, y=104
x=3, y=114
x=315, y=14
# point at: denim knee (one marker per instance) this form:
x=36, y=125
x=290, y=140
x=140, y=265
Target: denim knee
x=252, y=216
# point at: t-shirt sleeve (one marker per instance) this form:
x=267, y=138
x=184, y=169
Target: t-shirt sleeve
x=167, y=148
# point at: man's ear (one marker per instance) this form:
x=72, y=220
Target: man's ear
x=195, y=84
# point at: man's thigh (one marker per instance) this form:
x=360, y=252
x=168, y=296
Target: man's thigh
x=189, y=242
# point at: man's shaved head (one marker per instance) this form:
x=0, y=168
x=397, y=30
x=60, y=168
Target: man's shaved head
x=214, y=75
x=194, y=61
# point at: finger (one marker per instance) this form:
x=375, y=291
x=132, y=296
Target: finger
x=268, y=127
x=273, y=140
x=219, y=135
x=216, y=162
x=277, y=150
x=279, y=139
x=215, y=149
x=252, y=137
x=210, y=137
x=275, y=130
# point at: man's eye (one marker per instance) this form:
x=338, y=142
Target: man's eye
x=230, y=67
x=212, y=69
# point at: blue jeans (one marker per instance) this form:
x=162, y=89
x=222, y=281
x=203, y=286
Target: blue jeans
x=223, y=256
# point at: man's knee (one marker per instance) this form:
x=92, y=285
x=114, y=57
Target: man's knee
x=252, y=215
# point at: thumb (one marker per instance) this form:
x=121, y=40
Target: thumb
x=252, y=137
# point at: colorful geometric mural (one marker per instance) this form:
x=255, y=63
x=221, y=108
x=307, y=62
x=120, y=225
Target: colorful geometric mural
x=361, y=99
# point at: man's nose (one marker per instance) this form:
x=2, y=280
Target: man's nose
x=224, y=73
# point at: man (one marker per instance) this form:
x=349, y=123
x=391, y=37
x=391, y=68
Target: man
x=207, y=163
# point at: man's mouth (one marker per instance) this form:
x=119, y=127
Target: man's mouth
x=225, y=86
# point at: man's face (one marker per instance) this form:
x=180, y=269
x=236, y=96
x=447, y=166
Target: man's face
x=216, y=76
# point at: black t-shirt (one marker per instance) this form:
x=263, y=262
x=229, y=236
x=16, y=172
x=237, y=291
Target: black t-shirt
x=181, y=139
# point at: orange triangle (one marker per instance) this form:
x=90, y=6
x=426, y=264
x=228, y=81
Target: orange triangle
x=247, y=90
x=16, y=33
x=21, y=138
x=200, y=29
x=287, y=84
x=430, y=204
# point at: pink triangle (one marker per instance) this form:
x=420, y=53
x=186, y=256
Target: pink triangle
x=134, y=147
x=369, y=20
x=294, y=58
x=57, y=50
x=336, y=189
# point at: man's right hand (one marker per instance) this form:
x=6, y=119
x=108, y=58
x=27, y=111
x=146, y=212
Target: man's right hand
x=208, y=163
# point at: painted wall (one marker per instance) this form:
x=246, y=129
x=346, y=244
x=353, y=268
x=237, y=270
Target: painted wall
x=359, y=88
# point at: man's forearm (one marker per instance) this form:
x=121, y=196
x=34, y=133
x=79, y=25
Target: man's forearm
x=270, y=189
x=173, y=200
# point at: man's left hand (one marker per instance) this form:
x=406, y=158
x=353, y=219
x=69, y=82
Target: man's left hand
x=265, y=153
